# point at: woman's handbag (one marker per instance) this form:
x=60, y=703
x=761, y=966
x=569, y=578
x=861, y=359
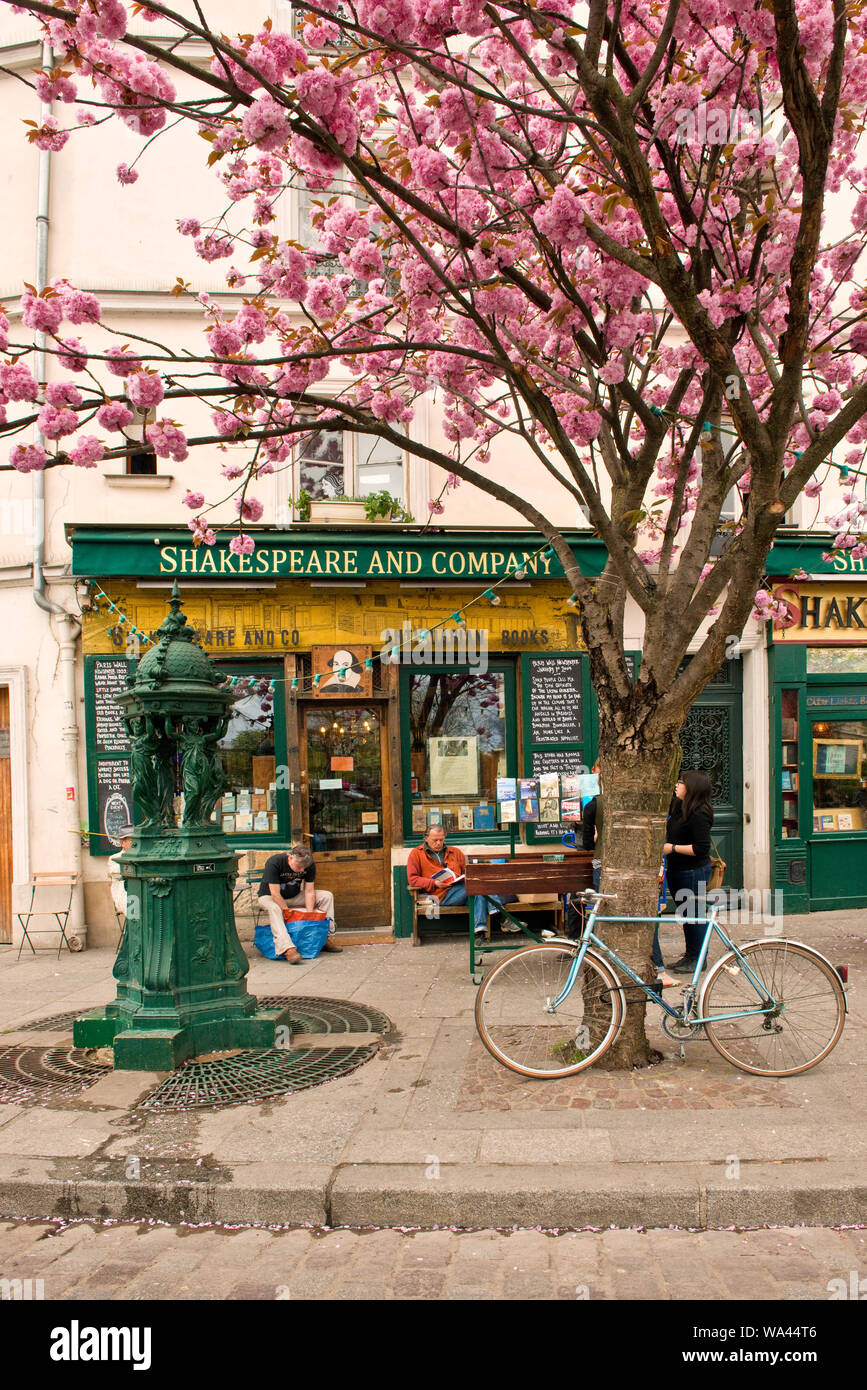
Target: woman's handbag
x=717, y=869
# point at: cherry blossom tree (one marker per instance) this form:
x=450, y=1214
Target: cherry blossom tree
x=598, y=231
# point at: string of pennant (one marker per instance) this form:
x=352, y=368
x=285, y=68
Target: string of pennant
x=298, y=685
x=122, y=620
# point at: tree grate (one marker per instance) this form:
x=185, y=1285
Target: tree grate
x=34, y=1075
x=30, y=1075
x=54, y=1024
x=252, y=1077
x=248, y=1078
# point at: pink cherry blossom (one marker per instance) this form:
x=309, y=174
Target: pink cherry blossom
x=242, y=544
x=168, y=440
x=54, y=423
x=87, y=451
x=49, y=136
x=57, y=88
x=121, y=361
x=60, y=393
x=144, y=389
x=249, y=509
x=125, y=174
x=114, y=415
x=28, y=457
x=194, y=500
x=74, y=359
x=17, y=383
x=78, y=306
x=41, y=312
x=202, y=533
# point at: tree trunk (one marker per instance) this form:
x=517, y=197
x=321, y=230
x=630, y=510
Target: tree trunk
x=637, y=787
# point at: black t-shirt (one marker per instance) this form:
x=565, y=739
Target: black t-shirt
x=588, y=824
x=277, y=870
x=695, y=831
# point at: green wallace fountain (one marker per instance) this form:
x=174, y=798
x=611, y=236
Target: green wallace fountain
x=180, y=971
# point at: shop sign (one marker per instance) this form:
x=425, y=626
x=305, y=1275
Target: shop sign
x=473, y=557
x=847, y=700
x=353, y=562
x=822, y=613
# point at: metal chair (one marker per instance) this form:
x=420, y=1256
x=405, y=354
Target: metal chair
x=38, y=883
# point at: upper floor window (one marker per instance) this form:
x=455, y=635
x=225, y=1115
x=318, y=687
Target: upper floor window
x=337, y=463
x=140, y=464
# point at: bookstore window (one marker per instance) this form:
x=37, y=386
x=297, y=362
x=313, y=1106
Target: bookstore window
x=457, y=724
x=839, y=775
x=253, y=755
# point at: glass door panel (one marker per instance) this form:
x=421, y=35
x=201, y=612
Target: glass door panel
x=344, y=777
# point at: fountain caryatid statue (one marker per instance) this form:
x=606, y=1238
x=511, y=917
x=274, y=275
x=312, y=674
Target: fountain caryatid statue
x=180, y=971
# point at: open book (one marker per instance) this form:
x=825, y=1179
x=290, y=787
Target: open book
x=445, y=877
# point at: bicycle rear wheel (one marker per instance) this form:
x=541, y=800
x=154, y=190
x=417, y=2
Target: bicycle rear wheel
x=799, y=1033
x=517, y=1027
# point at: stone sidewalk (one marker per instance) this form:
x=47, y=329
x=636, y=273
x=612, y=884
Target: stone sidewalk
x=135, y=1262
x=432, y=1131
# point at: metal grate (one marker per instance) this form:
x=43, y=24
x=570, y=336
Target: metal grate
x=29, y=1075
x=55, y=1023
x=311, y=1015
x=248, y=1078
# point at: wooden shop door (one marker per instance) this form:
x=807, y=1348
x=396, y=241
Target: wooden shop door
x=5, y=820
x=347, y=817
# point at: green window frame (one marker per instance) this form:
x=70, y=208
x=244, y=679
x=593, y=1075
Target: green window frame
x=274, y=671
x=507, y=670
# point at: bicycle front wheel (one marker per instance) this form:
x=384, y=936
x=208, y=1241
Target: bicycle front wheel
x=799, y=1032
x=514, y=1018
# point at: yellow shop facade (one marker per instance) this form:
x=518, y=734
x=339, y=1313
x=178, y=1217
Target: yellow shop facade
x=386, y=679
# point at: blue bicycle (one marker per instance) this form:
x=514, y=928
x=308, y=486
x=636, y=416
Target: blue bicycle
x=772, y=1007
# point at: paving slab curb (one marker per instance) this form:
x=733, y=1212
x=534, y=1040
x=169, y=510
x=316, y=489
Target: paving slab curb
x=478, y=1196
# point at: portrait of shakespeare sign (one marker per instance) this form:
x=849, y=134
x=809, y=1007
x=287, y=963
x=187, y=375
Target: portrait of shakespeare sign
x=342, y=671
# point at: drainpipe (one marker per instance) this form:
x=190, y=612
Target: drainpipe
x=70, y=626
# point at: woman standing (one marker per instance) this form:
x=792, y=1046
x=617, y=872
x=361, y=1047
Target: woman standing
x=687, y=851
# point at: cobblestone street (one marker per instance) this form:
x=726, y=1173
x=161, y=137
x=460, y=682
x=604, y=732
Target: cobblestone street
x=122, y=1262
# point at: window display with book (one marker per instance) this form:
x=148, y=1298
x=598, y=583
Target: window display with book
x=789, y=825
x=251, y=795
x=839, y=750
x=460, y=745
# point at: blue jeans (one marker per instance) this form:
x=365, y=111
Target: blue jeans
x=457, y=896
x=694, y=883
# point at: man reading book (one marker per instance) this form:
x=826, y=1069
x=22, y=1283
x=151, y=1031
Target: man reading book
x=440, y=870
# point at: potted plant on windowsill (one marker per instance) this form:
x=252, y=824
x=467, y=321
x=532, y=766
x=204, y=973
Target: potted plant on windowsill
x=382, y=506
x=337, y=509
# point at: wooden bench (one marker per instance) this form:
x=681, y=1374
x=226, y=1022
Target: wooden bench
x=425, y=905
x=524, y=874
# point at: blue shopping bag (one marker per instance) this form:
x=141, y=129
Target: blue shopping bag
x=309, y=932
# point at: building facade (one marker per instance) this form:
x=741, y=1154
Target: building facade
x=498, y=688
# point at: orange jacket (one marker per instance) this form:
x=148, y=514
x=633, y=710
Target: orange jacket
x=421, y=866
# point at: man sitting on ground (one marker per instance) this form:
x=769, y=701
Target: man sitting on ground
x=439, y=869
x=287, y=883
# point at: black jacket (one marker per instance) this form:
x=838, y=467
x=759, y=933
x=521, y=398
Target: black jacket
x=695, y=831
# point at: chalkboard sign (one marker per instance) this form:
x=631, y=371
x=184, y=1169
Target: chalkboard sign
x=556, y=713
x=109, y=679
x=114, y=803
x=565, y=762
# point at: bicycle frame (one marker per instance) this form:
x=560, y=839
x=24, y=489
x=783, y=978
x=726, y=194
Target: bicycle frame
x=589, y=937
